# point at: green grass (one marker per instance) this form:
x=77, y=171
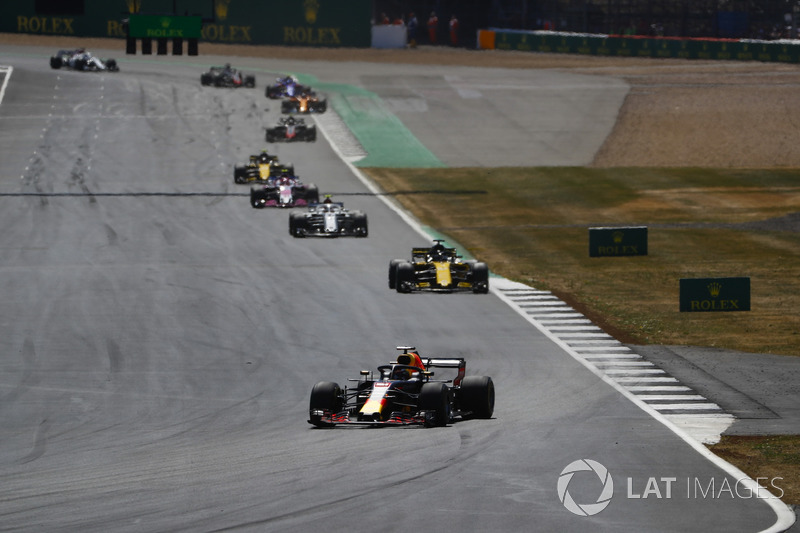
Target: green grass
x=531, y=225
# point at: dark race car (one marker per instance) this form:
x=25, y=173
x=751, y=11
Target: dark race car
x=438, y=269
x=328, y=219
x=291, y=129
x=285, y=87
x=80, y=59
x=227, y=76
x=261, y=168
x=404, y=392
x=285, y=191
x=306, y=103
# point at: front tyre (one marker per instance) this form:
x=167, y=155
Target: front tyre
x=405, y=282
x=326, y=397
x=393, y=272
x=434, y=399
x=480, y=278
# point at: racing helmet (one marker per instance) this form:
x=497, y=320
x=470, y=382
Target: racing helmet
x=438, y=252
x=401, y=373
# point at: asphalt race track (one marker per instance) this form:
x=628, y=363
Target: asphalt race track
x=161, y=338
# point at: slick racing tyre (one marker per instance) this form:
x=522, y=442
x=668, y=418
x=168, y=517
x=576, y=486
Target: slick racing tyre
x=477, y=396
x=239, y=175
x=393, y=272
x=250, y=82
x=256, y=199
x=272, y=136
x=404, y=281
x=297, y=225
x=325, y=396
x=311, y=134
x=312, y=194
x=360, y=225
x=434, y=399
x=55, y=62
x=480, y=278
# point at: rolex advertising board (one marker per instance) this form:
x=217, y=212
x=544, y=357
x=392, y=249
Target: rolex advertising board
x=714, y=294
x=289, y=22
x=615, y=242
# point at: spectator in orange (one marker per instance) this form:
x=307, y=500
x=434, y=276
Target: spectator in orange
x=384, y=19
x=433, y=22
x=453, y=30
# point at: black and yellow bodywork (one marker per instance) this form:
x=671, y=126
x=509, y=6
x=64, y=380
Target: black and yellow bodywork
x=440, y=269
x=261, y=168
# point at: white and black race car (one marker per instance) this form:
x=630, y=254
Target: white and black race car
x=291, y=129
x=80, y=59
x=404, y=392
x=328, y=219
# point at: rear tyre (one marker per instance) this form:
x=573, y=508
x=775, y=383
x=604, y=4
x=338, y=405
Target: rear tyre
x=250, y=82
x=477, y=396
x=271, y=136
x=312, y=194
x=434, y=399
x=325, y=396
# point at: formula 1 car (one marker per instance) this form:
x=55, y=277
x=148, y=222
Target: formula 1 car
x=404, y=393
x=261, y=167
x=80, y=59
x=291, y=129
x=306, y=102
x=285, y=87
x=285, y=191
x=227, y=77
x=328, y=219
x=438, y=269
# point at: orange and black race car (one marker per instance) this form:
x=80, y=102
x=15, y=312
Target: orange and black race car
x=305, y=103
x=438, y=269
x=404, y=392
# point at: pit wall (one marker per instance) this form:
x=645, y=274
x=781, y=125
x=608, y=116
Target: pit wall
x=634, y=46
x=275, y=22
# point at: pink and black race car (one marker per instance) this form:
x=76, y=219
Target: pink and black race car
x=284, y=191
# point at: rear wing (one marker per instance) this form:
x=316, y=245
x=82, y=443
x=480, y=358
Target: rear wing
x=440, y=362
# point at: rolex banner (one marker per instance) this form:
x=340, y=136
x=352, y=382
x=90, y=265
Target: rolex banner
x=288, y=22
x=714, y=294
x=615, y=242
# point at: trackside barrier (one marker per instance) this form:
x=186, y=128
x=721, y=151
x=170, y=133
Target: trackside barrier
x=633, y=46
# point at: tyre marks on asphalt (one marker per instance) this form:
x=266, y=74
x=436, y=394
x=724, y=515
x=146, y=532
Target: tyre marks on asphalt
x=698, y=416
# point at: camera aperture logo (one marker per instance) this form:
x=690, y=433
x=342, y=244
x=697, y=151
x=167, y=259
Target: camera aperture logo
x=585, y=509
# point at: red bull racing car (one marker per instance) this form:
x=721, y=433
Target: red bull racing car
x=404, y=392
x=438, y=269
